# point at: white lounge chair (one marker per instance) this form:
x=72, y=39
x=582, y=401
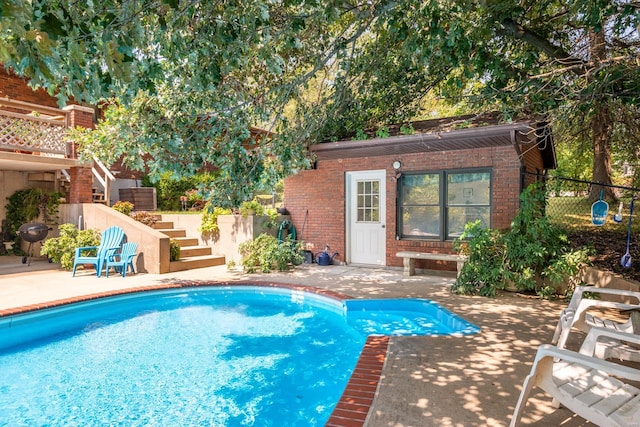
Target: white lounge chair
x=595, y=389
x=608, y=344
x=576, y=314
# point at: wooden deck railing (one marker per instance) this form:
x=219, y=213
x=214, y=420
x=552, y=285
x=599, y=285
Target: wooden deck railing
x=33, y=128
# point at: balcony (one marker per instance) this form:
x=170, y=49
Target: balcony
x=33, y=137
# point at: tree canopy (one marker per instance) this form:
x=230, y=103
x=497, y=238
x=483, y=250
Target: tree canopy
x=187, y=79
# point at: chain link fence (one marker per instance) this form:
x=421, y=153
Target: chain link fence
x=568, y=204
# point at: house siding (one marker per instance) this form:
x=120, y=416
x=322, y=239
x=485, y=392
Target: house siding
x=321, y=192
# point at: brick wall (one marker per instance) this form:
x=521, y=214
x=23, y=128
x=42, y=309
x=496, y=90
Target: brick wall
x=81, y=185
x=321, y=192
x=15, y=88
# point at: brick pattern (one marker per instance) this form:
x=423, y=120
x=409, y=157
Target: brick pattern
x=16, y=88
x=79, y=117
x=81, y=185
x=321, y=192
x=357, y=398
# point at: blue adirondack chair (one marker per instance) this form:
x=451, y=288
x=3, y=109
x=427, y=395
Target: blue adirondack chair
x=121, y=261
x=109, y=243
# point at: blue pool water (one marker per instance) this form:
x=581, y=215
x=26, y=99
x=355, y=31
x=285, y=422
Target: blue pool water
x=214, y=356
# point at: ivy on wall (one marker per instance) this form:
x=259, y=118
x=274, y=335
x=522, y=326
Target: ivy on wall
x=26, y=206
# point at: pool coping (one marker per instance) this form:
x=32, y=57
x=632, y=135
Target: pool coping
x=358, y=396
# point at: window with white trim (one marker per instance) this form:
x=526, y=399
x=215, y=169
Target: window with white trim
x=437, y=205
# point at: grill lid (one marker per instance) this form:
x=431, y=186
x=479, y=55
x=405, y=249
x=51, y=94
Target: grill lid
x=33, y=231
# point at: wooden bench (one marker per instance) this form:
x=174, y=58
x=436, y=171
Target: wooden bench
x=409, y=260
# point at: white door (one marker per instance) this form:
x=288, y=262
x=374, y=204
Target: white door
x=366, y=222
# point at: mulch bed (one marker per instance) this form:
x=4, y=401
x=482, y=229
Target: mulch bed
x=610, y=246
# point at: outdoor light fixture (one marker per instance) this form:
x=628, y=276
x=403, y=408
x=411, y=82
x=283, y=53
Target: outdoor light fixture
x=397, y=164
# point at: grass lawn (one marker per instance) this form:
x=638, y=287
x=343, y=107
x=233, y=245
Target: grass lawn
x=574, y=213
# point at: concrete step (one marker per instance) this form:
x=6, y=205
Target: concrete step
x=196, y=262
x=163, y=225
x=174, y=232
x=191, y=251
x=186, y=241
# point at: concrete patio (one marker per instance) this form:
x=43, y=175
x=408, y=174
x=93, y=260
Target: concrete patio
x=426, y=381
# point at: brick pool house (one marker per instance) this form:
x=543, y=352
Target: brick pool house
x=373, y=198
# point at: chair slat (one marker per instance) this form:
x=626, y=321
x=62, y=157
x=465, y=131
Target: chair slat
x=616, y=400
x=629, y=413
x=600, y=389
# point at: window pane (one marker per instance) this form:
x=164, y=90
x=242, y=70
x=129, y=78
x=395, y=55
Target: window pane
x=458, y=217
x=468, y=188
x=421, y=189
x=421, y=221
x=368, y=201
x=375, y=215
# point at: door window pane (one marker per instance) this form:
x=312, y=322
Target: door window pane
x=368, y=197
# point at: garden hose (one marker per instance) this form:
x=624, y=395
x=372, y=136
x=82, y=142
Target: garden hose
x=288, y=225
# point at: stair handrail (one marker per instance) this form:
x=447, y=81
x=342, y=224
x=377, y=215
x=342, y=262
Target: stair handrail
x=66, y=175
x=108, y=177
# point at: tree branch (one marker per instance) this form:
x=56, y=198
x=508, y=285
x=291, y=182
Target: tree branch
x=573, y=64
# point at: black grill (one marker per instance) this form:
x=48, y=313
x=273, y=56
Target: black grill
x=32, y=232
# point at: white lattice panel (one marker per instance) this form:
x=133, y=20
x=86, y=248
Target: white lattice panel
x=31, y=134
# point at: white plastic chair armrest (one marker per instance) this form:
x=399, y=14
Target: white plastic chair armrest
x=586, y=304
x=548, y=350
x=590, y=343
x=610, y=291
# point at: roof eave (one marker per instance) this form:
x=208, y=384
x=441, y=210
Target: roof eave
x=435, y=141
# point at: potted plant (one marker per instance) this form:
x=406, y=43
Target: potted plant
x=251, y=207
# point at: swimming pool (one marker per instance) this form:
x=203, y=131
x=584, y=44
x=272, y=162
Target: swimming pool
x=207, y=356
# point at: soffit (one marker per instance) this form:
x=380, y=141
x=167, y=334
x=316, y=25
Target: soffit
x=478, y=137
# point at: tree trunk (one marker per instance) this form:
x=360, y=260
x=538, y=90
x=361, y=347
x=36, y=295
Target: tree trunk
x=601, y=127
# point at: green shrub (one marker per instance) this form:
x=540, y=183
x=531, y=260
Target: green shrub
x=382, y=132
x=264, y=254
x=407, y=129
x=210, y=215
x=533, y=255
x=483, y=273
x=123, y=207
x=62, y=249
x=169, y=188
x=174, y=250
x=251, y=207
